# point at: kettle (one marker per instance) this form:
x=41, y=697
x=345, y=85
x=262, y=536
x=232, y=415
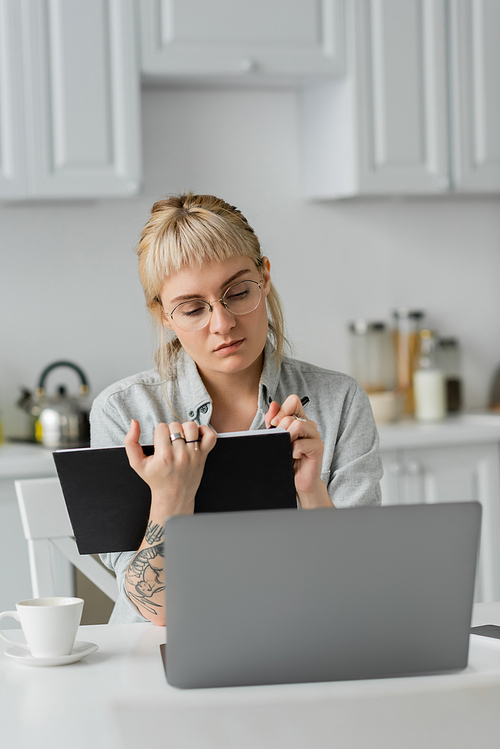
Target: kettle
x=59, y=420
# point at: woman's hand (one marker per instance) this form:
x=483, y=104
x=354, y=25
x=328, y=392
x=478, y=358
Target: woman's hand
x=173, y=474
x=174, y=471
x=307, y=450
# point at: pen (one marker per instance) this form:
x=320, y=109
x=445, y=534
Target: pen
x=304, y=401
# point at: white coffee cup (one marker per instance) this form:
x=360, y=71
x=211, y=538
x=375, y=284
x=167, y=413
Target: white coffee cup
x=49, y=625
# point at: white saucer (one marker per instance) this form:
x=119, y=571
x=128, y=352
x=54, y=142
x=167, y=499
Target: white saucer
x=80, y=650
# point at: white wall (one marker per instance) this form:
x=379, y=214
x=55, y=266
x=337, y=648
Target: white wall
x=68, y=286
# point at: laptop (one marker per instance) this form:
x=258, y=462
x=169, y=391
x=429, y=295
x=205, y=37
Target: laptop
x=280, y=596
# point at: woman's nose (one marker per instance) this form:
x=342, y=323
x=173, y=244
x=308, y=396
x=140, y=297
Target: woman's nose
x=221, y=319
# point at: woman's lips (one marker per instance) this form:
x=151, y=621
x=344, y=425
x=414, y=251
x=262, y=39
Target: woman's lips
x=228, y=348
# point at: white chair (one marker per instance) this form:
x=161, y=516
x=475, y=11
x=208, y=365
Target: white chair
x=47, y=527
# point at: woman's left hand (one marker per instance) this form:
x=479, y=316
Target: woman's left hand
x=307, y=450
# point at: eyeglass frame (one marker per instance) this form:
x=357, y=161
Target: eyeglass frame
x=221, y=300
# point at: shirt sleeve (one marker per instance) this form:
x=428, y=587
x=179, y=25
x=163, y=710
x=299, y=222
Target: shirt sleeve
x=107, y=429
x=356, y=467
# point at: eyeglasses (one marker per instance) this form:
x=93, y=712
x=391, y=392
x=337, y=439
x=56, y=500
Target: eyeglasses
x=239, y=299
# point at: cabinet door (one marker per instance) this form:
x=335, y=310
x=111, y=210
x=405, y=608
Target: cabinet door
x=401, y=94
x=12, y=156
x=457, y=474
x=241, y=37
x=83, y=112
x=475, y=94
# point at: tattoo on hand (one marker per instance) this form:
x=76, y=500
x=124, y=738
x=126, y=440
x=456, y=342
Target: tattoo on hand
x=145, y=572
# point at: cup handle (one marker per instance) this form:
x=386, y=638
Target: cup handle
x=13, y=615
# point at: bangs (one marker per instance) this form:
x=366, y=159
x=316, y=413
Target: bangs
x=193, y=241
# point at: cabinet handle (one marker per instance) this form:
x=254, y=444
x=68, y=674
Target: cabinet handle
x=413, y=467
x=396, y=468
x=248, y=65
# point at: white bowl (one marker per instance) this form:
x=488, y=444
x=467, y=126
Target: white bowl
x=387, y=406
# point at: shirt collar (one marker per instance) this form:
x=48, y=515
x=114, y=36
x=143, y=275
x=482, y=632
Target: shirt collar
x=192, y=395
x=269, y=378
x=189, y=388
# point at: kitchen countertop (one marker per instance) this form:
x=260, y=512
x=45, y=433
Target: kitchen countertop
x=20, y=460
x=26, y=459
x=468, y=428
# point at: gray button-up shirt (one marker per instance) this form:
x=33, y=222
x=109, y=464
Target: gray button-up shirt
x=351, y=468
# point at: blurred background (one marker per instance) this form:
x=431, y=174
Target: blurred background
x=68, y=280
x=360, y=138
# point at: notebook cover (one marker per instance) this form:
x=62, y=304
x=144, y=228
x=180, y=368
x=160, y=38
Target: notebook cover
x=108, y=503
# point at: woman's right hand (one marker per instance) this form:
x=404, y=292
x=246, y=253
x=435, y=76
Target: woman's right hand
x=174, y=471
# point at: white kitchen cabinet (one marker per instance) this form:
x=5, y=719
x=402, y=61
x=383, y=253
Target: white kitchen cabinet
x=418, y=111
x=77, y=93
x=242, y=39
x=475, y=94
x=401, y=96
x=12, y=137
x=453, y=472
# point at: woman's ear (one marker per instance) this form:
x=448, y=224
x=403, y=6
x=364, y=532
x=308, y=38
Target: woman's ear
x=166, y=321
x=162, y=317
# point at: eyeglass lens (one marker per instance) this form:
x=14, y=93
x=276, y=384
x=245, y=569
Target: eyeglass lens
x=239, y=299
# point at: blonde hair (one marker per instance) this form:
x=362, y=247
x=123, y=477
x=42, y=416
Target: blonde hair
x=188, y=230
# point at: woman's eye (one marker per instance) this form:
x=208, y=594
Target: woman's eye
x=237, y=296
x=193, y=310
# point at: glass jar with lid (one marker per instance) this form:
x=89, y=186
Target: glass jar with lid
x=429, y=380
x=448, y=356
x=372, y=355
x=406, y=348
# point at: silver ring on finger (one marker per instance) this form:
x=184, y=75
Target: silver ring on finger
x=177, y=436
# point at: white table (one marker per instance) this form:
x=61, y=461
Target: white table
x=118, y=697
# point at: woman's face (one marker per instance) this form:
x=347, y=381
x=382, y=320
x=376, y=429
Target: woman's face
x=228, y=343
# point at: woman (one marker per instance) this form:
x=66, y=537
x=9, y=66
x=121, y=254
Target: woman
x=206, y=283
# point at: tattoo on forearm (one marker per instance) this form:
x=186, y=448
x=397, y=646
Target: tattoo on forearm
x=154, y=533
x=145, y=572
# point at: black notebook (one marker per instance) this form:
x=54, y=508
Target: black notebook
x=108, y=503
